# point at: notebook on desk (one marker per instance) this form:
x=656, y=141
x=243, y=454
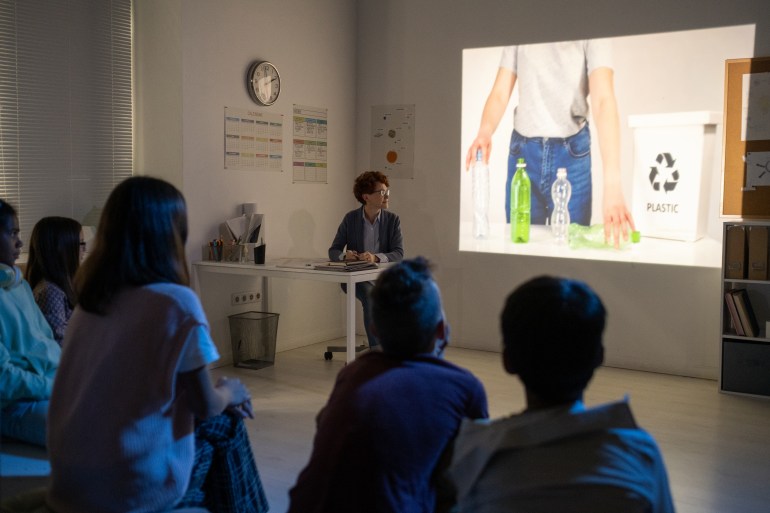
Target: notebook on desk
x=346, y=266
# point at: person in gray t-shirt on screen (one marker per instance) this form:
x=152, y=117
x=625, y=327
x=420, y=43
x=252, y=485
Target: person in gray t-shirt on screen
x=551, y=128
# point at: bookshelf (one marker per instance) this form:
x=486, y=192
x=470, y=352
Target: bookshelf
x=745, y=346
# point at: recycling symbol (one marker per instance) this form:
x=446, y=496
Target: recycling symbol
x=664, y=173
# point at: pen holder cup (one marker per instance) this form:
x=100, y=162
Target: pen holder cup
x=213, y=253
x=226, y=253
x=232, y=253
x=259, y=254
x=246, y=253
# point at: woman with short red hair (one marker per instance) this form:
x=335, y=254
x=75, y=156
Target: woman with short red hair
x=369, y=233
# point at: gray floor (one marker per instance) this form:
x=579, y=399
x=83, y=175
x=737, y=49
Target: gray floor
x=716, y=446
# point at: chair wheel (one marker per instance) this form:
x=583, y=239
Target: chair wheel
x=328, y=355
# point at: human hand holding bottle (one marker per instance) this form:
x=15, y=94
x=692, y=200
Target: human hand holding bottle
x=483, y=143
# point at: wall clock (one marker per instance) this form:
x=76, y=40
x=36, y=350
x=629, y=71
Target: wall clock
x=263, y=83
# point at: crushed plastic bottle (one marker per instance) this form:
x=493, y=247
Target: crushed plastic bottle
x=592, y=237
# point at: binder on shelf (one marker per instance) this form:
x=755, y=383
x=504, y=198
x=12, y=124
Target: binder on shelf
x=758, y=248
x=745, y=312
x=735, y=252
x=734, y=318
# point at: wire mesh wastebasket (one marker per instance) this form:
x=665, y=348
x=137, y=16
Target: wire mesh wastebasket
x=253, y=336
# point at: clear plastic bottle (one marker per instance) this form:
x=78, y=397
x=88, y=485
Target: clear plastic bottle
x=521, y=203
x=480, y=174
x=561, y=190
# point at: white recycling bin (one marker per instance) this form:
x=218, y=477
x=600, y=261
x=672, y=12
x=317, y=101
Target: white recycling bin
x=673, y=162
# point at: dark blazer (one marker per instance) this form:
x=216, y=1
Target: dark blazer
x=351, y=234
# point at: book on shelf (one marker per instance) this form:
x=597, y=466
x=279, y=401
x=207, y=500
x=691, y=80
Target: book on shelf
x=735, y=320
x=745, y=312
x=735, y=252
x=346, y=266
x=758, y=248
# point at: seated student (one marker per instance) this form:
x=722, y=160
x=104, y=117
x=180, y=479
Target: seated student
x=134, y=376
x=384, y=436
x=55, y=250
x=558, y=455
x=369, y=233
x=29, y=355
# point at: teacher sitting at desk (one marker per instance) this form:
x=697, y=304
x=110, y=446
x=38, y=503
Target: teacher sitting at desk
x=369, y=233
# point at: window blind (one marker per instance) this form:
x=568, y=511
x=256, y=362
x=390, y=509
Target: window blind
x=66, y=120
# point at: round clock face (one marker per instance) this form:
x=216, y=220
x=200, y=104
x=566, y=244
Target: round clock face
x=263, y=83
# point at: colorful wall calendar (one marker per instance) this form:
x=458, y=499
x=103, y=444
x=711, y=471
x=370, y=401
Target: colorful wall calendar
x=253, y=140
x=309, y=144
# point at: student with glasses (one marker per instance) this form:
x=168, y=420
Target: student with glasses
x=55, y=250
x=369, y=233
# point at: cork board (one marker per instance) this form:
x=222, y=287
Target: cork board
x=746, y=171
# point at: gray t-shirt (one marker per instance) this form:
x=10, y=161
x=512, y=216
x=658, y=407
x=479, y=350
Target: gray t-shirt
x=553, y=84
x=565, y=459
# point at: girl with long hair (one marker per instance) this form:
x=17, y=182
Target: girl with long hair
x=55, y=249
x=134, y=376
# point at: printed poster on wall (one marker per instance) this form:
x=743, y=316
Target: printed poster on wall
x=392, y=150
x=253, y=140
x=309, y=144
x=755, y=107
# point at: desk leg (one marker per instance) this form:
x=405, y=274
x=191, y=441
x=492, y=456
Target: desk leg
x=351, y=321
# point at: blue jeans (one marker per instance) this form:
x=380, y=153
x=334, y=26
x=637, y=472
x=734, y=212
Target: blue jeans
x=543, y=156
x=362, y=294
x=25, y=421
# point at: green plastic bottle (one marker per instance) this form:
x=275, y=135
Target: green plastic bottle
x=521, y=203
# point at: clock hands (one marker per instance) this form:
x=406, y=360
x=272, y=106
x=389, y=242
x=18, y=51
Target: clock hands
x=265, y=85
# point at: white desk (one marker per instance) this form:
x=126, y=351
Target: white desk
x=274, y=271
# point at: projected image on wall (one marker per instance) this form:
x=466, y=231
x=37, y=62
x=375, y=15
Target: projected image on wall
x=633, y=122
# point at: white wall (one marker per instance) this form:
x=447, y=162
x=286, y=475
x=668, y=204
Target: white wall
x=192, y=58
x=158, y=90
x=661, y=318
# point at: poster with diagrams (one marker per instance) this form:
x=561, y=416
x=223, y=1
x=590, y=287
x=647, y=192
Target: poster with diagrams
x=392, y=149
x=309, y=144
x=253, y=140
x=755, y=107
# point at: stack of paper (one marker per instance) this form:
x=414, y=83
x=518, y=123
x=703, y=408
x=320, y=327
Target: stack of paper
x=246, y=229
x=346, y=266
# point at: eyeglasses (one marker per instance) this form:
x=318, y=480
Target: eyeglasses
x=382, y=192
